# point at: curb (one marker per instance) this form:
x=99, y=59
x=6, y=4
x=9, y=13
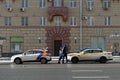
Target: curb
x=4, y=58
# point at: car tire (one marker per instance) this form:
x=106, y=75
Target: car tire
x=43, y=61
x=74, y=60
x=18, y=61
x=103, y=60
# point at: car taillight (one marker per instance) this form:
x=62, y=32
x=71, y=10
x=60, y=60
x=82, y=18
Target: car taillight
x=110, y=53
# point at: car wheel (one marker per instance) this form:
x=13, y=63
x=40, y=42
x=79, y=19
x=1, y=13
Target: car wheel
x=17, y=61
x=43, y=61
x=74, y=60
x=103, y=60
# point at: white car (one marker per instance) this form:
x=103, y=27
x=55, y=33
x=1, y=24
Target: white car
x=32, y=55
x=90, y=55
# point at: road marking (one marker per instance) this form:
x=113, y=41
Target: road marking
x=87, y=71
x=92, y=77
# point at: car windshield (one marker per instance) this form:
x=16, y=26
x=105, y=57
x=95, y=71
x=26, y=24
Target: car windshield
x=82, y=50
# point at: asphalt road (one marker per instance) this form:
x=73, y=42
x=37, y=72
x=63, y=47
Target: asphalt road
x=36, y=71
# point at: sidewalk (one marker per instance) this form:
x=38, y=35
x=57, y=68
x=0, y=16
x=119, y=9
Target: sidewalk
x=116, y=59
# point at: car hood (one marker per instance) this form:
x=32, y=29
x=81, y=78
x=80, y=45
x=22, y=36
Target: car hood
x=73, y=53
x=17, y=55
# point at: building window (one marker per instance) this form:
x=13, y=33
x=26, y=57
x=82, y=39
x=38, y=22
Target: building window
x=90, y=4
x=24, y=21
x=57, y=20
x=73, y=21
x=42, y=3
x=98, y=42
x=106, y=4
x=57, y=3
x=107, y=21
x=90, y=21
x=8, y=21
x=24, y=3
x=43, y=21
x=16, y=44
x=8, y=4
x=115, y=48
x=73, y=3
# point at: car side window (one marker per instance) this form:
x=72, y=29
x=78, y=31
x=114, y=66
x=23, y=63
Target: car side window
x=29, y=52
x=97, y=51
x=36, y=52
x=87, y=51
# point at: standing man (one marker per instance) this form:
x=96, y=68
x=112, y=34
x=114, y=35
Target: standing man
x=65, y=51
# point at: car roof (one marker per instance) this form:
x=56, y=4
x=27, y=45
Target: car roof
x=95, y=49
x=35, y=50
x=91, y=49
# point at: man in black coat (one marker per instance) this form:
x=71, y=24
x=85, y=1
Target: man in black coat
x=65, y=51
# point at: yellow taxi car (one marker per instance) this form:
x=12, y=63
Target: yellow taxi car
x=90, y=55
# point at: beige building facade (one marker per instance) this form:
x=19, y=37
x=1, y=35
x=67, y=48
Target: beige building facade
x=28, y=24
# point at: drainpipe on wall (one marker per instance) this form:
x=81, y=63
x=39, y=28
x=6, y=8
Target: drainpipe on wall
x=81, y=13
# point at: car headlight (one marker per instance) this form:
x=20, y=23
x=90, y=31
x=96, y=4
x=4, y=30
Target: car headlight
x=12, y=59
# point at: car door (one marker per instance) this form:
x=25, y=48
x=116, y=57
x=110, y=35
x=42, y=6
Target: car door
x=96, y=54
x=38, y=54
x=92, y=54
x=29, y=56
x=86, y=55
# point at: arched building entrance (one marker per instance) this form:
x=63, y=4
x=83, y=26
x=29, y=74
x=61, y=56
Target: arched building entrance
x=56, y=37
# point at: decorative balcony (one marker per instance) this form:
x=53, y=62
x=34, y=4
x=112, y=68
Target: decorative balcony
x=58, y=11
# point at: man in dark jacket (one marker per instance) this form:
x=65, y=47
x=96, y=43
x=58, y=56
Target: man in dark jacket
x=65, y=51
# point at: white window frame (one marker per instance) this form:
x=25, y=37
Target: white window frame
x=42, y=3
x=16, y=47
x=107, y=21
x=106, y=4
x=8, y=4
x=43, y=21
x=57, y=3
x=90, y=4
x=8, y=21
x=73, y=4
x=91, y=21
x=24, y=3
x=73, y=21
x=57, y=20
x=24, y=21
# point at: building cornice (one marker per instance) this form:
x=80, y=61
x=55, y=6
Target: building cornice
x=4, y=0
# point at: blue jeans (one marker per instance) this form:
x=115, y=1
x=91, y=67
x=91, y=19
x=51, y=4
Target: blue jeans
x=65, y=56
x=61, y=58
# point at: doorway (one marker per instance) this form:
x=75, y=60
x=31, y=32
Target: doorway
x=57, y=45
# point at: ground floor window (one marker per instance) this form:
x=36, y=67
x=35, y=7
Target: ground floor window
x=115, y=47
x=16, y=44
x=98, y=42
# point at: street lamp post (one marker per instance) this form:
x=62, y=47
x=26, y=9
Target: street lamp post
x=81, y=13
x=2, y=40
